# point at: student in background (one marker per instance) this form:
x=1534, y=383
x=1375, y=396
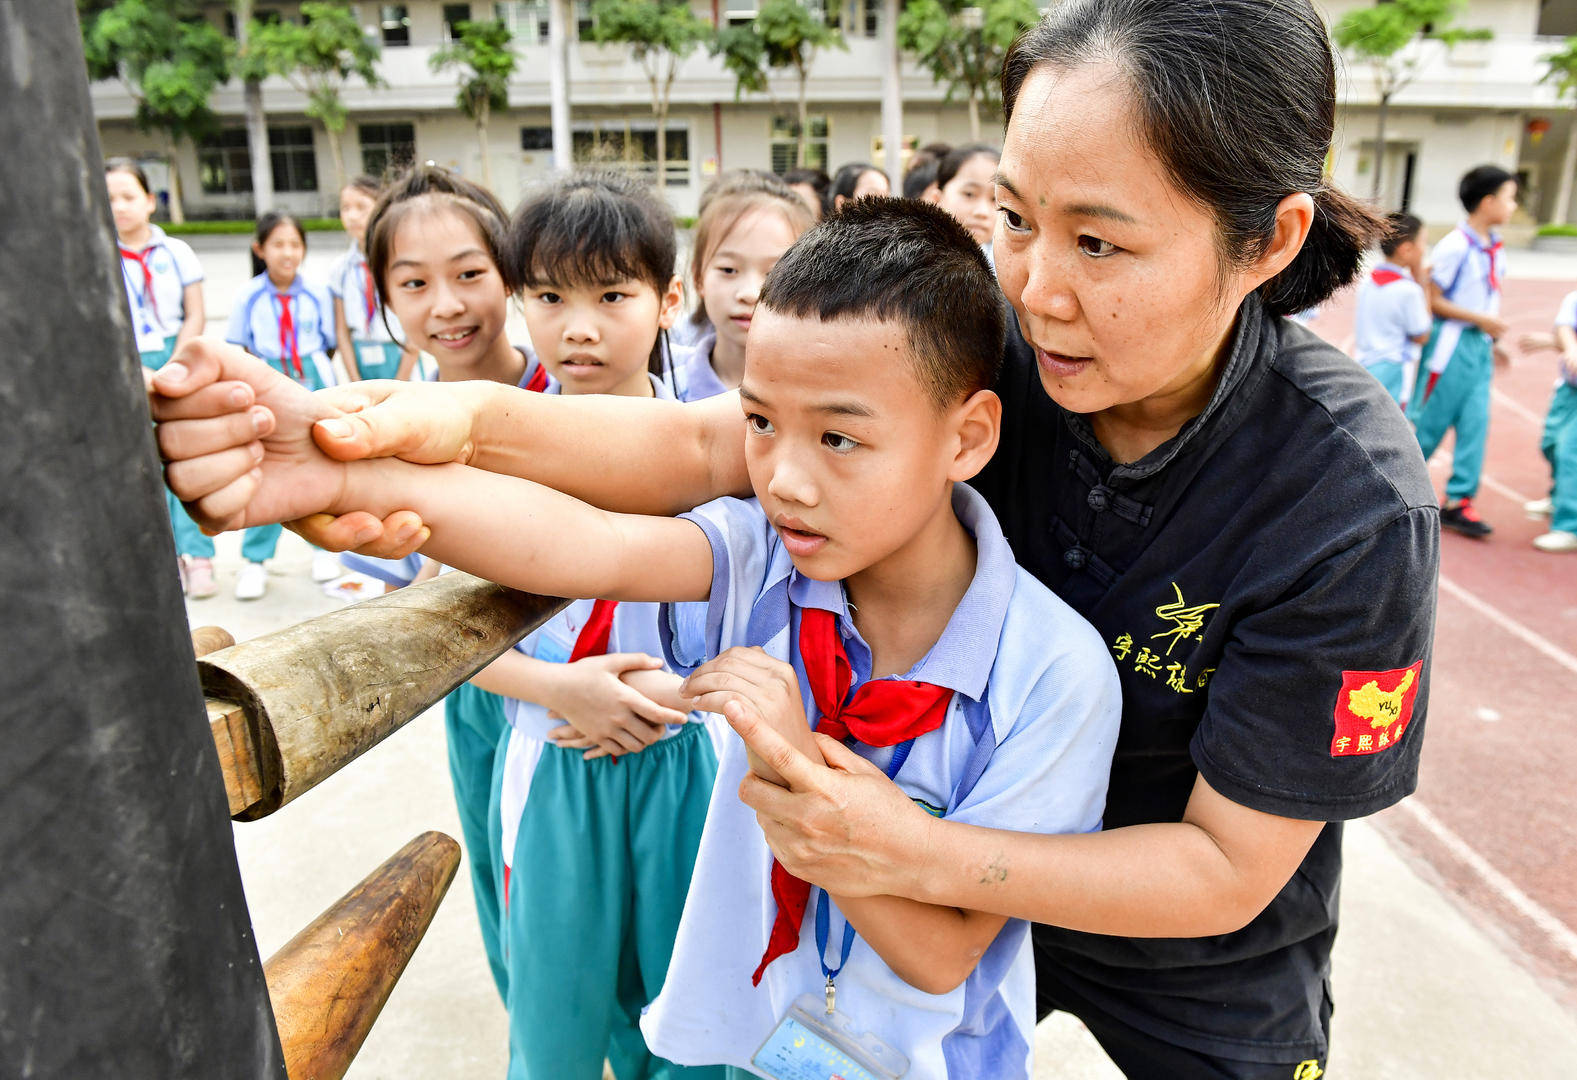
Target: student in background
x=748, y=220
x=366, y=335
x=1466, y=270
x=966, y=188
x=853, y=181
x=1393, y=309
x=164, y=289
x=810, y=185
x=1559, y=442
x=282, y=318
x=602, y=787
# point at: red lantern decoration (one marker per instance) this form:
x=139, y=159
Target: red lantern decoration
x=1538, y=127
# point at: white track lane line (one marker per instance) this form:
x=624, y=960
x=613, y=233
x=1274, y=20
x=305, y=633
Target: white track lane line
x=1513, y=405
x=1528, y=637
x=1529, y=908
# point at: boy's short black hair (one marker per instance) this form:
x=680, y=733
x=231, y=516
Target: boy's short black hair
x=1400, y=227
x=1479, y=184
x=908, y=262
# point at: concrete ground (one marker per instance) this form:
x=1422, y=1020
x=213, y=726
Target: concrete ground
x=1426, y=984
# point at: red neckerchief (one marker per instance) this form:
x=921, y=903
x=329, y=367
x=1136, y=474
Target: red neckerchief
x=141, y=259
x=1493, y=251
x=372, y=295
x=883, y=712
x=288, y=347
x=538, y=381
x=1382, y=276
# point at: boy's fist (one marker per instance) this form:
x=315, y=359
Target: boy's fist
x=748, y=679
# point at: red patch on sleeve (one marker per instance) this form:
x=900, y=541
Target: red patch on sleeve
x=1373, y=709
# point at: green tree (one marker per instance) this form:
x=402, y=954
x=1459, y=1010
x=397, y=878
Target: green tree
x=784, y=35
x=169, y=59
x=1392, y=37
x=318, y=58
x=1561, y=69
x=963, y=45
x=483, y=54
x=660, y=34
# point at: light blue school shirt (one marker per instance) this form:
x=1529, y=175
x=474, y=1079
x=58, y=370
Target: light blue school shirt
x=1460, y=265
x=694, y=378
x=255, y=315
x=158, y=317
x=348, y=282
x=1026, y=745
x=1389, y=316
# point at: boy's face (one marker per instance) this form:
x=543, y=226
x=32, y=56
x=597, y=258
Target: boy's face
x=1497, y=209
x=846, y=450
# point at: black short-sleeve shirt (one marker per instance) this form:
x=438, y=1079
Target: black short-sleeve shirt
x=1265, y=581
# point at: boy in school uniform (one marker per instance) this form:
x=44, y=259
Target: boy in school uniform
x=1393, y=309
x=1559, y=441
x=1466, y=270
x=865, y=592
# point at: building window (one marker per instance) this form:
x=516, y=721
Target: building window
x=293, y=158
x=785, y=138
x=396, y=22
x=738, y=12
x=631, y=147
x=454, y=14
x=534, y=140
x=527, y=19
x=873, y=17
x=387, y=148
x=224, y=165
x=583, y=20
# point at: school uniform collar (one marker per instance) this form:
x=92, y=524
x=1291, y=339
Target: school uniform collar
x=297, y=286
x=1253, y=343
x=962, y=657
x=660, y=390
x=1477, y=241
x=156, y=238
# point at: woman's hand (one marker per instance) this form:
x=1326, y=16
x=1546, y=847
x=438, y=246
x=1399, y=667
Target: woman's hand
x=841, y=825
x=603, y=715
x=237, y=439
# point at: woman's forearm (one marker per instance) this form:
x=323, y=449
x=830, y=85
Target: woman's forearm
x=636, y=456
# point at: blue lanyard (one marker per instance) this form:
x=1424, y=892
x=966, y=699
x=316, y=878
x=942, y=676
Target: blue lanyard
x=824, y=920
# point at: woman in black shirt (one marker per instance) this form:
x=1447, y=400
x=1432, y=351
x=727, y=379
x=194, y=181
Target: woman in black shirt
x=1232, y=503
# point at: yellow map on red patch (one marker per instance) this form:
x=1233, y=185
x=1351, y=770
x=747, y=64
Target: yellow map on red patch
x=1373, y=709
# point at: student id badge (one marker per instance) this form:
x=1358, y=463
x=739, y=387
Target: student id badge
x=555, y=643
x=813, y=1043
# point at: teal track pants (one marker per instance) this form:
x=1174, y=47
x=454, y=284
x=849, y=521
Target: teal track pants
x=1460, y=400
x=1560, y=450
x=602, y=863
x=473, y=727
x=377, y=359
x=1391, y=375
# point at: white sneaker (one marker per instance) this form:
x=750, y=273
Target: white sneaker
x=1556, y=540
x=1539, y=507
x=252, y=582
x=325, y=566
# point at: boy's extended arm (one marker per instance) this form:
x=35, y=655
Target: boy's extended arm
x=931, y=948
x=530, y=537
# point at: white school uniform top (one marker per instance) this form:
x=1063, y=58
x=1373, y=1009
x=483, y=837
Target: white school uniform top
x=1567, y=317
x=350, y=284
x=1026, y=745
x=1389, y=316
x=634, y=630
x=174, y=266
x=1460, y=265
x=255, y=318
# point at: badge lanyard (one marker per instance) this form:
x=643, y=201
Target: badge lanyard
x=147, y=302
x=824, y=920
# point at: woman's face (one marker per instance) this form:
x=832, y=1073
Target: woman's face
x=968, y=197
x=1112, y=270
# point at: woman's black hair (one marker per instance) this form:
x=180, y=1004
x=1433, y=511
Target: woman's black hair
x=1480, y=183
x=265, y=228
x=131, y=169
x=594, y=227
x=960, y=156
x=845, y=180
x=1237, y=98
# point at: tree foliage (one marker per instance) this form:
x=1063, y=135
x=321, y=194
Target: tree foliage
x=965, y=53
x=317, y=57
x=1560, y=68
x=483, y=53
x=660, y=34
x=785, y=35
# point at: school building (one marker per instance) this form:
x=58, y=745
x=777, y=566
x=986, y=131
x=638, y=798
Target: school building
x=1478, y=103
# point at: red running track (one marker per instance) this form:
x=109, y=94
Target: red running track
x=1494, y=821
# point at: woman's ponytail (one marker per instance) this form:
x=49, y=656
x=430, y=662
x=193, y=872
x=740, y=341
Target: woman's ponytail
x=1342, y=230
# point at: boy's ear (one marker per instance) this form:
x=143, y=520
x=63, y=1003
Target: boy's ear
x=977, y=422
x=671, y=303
